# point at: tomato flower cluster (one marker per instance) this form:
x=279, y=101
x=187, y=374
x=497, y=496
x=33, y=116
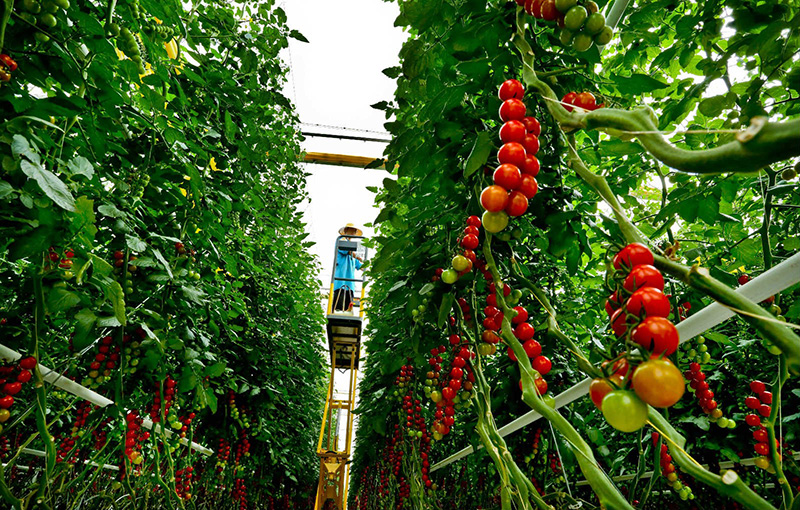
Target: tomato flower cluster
x=515, y=178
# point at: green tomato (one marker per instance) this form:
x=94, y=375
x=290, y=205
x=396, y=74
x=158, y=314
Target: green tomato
x=494, y=222
x=731, y=424
x=460, y=263
x=701, y=340
x=64, y=4
x=41, y=37
x=449, y=276
x=32, y=6
x=595, y=23
x=565, y=5
x=706, y=358
x=624, y=411
x=692, y=353
x=48, y=20
x=575, y=17
x=565, y=36
x=604, y=36
x=723, y=423
x=421, y=308
x=582, y=42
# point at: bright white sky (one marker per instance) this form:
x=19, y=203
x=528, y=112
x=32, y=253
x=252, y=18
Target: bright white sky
x=333, y=81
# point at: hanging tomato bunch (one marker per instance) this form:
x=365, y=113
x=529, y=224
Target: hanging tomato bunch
x=515, y=178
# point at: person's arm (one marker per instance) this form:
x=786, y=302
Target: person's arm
x=359, y=260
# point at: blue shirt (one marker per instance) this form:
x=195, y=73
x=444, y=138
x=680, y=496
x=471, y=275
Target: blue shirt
x=345, y=268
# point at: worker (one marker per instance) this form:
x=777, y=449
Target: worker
x=346, y=264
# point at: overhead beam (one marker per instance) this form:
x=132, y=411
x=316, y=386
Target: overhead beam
x=325, y=158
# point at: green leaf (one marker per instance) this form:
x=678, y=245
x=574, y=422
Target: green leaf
x=81, y=166
x=479, y=154
x=60, y=299
x=426, y=288
x=163, y=262
x=21, y=147
x=51, y=185
x=111, y=211
x=215, y=370
x=211, y=399
x=717, y=337
x=135, y=244
x=445, y=308
x=294, y=34
x=113, y=292
x=637, y=84
x=84, y=325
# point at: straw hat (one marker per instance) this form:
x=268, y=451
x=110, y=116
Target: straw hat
x=351, y=225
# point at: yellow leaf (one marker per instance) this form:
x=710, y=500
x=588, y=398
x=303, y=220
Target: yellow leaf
x=183, y=192
x=187, y=178
x=213, y=164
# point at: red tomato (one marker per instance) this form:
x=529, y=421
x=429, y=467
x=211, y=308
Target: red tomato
x=531, y=145
x=761, y=435
x=658, y=383
x=512, y=355
x=491, y=311
x=474, y=221
x=633, y=255
x=524, y=332
x=618, y=323
x=471, y=230
x=512, y=131
x=753, y=420
x=644, y=276
x=541, y=385
x=529, y=187
x=531, y=166
x=765, y=396
x=585, y=100
x=521, y=2
x=24, y=376
x=612, y=304
x=454, y=339
x=744, y=279
x=656, y=334
x=532, y=126
x=490, y=337
x=494, y=198
x=512, y=109
x=8, y=62
x=470, y=241
x=28, y=363
x=649, y=300
x=6, y=402
x=448, y=393
x=511, y=89
x=549, y=11
x=757, y=386
x=764, y=410
x=532, y=348
x=762, y=448
x=517, y=204
x=512, y=153
x=507, y=176
x=455, y=384
x=12, y=388
x=598, y=389
x=522, y=315
x=542, y=364
x=568, y=98
x=489, y=323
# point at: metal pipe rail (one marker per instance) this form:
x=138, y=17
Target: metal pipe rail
x=70, y=386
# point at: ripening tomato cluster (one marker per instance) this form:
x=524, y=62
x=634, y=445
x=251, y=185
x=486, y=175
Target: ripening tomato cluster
x=462, y=263
x=63, y=263
x=133, y=352
x=515, y=178
x=705, y=397
x=12, y=377
x=668, y=470
x=223, y=454
x=583, y=100
x=134, y=437
x=581, y=23
x=242, y=448
x=761, y=405
x=456, y=385
x=169, y=397
x=68, y=442
x=646, y=308
x=104, y=362
x=183, y=482
x=7, y=66
x=239, y=493
x=100, y=434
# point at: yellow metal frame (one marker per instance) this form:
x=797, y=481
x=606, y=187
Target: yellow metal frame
x=334, y=472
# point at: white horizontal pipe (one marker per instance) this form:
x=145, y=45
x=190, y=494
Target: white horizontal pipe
x=40, y=453
x=769, y=283
x=85, y=393
x=722, y=465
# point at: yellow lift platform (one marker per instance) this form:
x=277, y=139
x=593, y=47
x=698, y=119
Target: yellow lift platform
x=344, y=343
